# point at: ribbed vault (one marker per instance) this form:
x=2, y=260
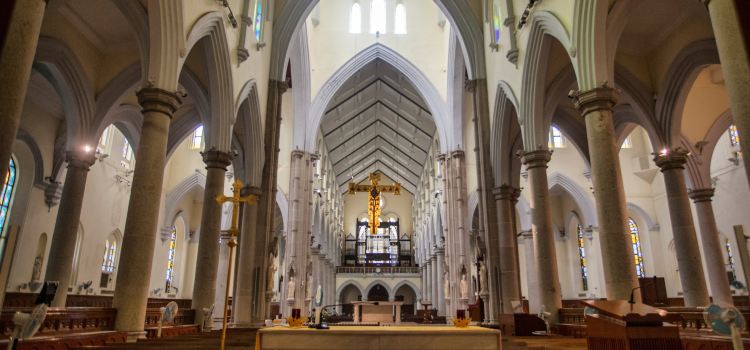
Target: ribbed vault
x=377, y=121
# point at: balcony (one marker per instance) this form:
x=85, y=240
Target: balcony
x=380, y=270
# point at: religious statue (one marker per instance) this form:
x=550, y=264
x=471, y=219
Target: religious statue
x=36, y=272
x=446, y=286
x=482, y=278
x=290, y=288
x=271, y=272
x=463, y=287
x=308, y=287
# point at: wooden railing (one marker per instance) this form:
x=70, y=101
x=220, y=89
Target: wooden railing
x=381, y=269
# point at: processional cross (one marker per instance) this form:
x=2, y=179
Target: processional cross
x=374, y=189
x=236, y=199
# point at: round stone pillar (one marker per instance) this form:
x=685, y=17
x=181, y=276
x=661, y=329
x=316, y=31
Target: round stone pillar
x=672, y=164
x=246, y=298
x=16, y=58
x=63, y=245
x=141, y=224
x=440, y=271
x=428, y=288
x=611, y=209
x=712, y=252
x=204, y=288
x=735, y=63
x=510, y=280
x=544, y=240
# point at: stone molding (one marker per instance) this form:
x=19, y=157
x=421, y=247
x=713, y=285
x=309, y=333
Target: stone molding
x=457, y=154
x=298, y=154
x=253, y=190
x=157, y=100
x=603, y=97
x=506, y=192
x=701, y=194
x=674, y=159
x=217, y=159
x=80, y=160
x=536, y=159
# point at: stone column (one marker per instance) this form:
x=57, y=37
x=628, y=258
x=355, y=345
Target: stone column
x=204, y=288
x=63, y=246
x=611, y=209
x=220, y=285
x=436, y=284
x=244, y=302
x=428, y=288
x=141, y=223
x=541, y=225
x=735, y=63
x=16, y=58
x=508, y=270
x=423, y=271
x=440, y=264
x=532, y=281
x=672, y=164
x=712, y=248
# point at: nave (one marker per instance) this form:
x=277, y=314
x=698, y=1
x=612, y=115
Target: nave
x=388, y=163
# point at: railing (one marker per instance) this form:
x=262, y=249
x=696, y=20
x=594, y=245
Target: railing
x=26, y=300
x=381, y=269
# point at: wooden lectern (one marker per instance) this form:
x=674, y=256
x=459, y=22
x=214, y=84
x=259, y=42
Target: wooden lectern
x=624, y=326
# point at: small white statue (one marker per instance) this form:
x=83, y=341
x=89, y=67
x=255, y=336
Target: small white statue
x=270, y=280
x=446, y=286
x=290, y=288
x=464, y=287
x=482, y=278
x=309, y=287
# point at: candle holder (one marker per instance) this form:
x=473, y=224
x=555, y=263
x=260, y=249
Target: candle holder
x=295, y=322
x=461, y=321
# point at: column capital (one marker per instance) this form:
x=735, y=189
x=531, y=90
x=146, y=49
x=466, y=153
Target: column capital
x=506, y=192
x=280, y=86
x=535, y=159
x=298, y=154
x=671, y=159
x=216, y=159
x=153, y=99
x=527, y=234
x=470, y=85
x=254, y=190
x=701, y=194
x=457, y=154
x=80, y=160
x=602, y=97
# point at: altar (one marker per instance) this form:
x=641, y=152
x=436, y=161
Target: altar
x=379, y=338
x=377, y=311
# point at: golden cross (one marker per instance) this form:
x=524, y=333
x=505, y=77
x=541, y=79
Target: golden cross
x=236, y=199
x=375, y=189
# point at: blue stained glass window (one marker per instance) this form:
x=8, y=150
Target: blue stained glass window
x=110, y=251
x=734, y=135
x=6, y=196
x=582, y=258
x=170, y=260
x=497, y=23
x=635, y=240
x=258, y=23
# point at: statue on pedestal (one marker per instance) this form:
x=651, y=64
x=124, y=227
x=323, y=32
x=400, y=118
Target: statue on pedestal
x=271, y=272
x=446, y=286
x=290, y=288
x=482, y=278
x=464, y=286
x=308, y=286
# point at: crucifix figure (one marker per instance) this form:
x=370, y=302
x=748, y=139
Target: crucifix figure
x=236, y=199
x=374, y=189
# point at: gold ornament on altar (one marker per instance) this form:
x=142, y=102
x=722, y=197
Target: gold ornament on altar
x=236, y=199
x=374, y=189
x=296, y=322
x=462, y=322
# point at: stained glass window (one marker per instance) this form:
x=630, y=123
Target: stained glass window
x=127, y=151
x=110, y=251
x=635, y=239
x=730, y=256
x=197, y=138
x=627, y=143
x=582, y=259
x=355, y=19
x=497, y=23
x=104, y=140
x=258, y=23
x=377, y=17
x=6, y=196
x=734, y=135
x=170, y=260
x=556, y=138
x=399, y=20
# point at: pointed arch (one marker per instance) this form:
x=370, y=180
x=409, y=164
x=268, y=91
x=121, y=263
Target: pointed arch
x=175, y=195
x=348, y=283
x=580, y=196
x=410, y=284
x=375, y=283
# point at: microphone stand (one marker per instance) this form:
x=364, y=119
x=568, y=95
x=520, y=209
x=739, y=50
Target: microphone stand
x=319, y=323
x=632, y=297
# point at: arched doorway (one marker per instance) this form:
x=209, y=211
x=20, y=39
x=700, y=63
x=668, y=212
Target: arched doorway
x=377, y=293
x=348, y=295
x=408, y=295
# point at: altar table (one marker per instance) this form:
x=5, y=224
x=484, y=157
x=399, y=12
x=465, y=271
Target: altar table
x=379, y=338
x=377, y=311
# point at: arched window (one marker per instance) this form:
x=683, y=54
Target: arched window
x=6, y=199
x=627, y=143
x=377, y=17
x=734, y=135
x=497, y=24
x=127, y=155
x=198, y=139
x=104, y=140
x=635, y=239
x=258, y=23
x=355, y=19
x=110, y=252
x=730, y=256
x=399, y=20
x=170, y=260
x=582, y=258
x=556, y=138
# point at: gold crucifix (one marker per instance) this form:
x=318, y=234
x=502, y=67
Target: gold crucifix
x=236, y=199
x=374, y=189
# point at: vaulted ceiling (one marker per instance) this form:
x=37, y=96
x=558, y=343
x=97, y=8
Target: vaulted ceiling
x=378, y=122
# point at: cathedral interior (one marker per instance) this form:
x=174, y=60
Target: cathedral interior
x=559, y=174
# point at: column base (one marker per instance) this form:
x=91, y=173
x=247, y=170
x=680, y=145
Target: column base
x=133, y=337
